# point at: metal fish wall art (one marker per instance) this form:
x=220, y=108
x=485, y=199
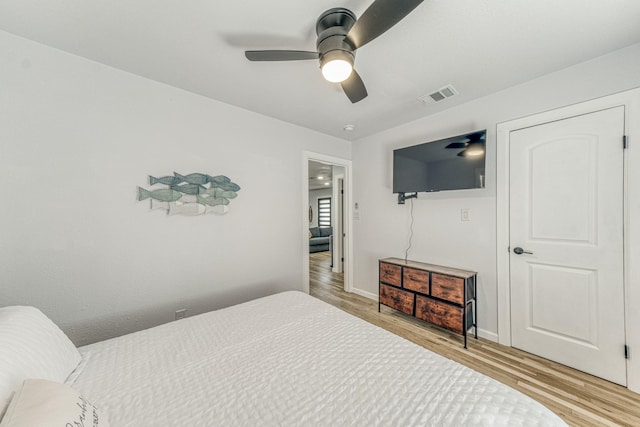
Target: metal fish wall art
x=192, y=189
x=191, y=194
x=163, y=195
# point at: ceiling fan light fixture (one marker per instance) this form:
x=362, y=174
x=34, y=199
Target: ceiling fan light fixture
x=474, y=149
x=337, y=71
x=336, y=66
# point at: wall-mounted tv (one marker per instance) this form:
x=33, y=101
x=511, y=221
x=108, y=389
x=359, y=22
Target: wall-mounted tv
x=455, y=163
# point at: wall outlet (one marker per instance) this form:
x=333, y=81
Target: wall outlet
x=180, y=314
x=465, y=215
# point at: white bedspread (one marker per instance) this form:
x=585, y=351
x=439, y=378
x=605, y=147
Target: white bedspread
x=290, y=359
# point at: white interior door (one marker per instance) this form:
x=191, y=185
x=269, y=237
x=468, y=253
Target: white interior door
x=566, y=208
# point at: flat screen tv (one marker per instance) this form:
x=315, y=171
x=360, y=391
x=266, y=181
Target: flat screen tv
x=455, y=163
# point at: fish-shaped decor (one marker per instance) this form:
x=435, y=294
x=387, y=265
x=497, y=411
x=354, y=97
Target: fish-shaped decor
x=223, y=182
x=218, y=192
x=166, y=180
x=193, y=178
x=163, y=195
x=212, y=201
x=219, y=179
x=189, y=198
x=188, y=188
x=191, y=194
x=229, y=186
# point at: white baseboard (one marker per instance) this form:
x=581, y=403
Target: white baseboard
x=488, y=335
x=365, y=294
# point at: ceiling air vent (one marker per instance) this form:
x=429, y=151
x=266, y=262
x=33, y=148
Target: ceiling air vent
x=439, y=95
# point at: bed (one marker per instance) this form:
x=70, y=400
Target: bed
x=283, y=360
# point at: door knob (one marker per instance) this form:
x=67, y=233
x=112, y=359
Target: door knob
x=520, y=251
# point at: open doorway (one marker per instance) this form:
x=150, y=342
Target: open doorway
x=326, y=260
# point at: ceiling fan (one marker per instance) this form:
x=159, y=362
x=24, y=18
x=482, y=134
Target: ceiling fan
x=339, y=36
x=473, y=146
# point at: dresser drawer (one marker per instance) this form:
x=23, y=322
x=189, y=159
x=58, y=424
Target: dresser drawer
x=447, y=288
x=439, y=313
x=391, y=274
x=396, y=298
x=416, y=280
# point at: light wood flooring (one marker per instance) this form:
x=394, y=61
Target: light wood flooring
x=580, y=399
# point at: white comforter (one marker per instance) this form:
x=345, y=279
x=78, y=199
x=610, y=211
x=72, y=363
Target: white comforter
x=289, y=359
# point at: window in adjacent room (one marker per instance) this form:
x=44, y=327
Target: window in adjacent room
x=324, y=212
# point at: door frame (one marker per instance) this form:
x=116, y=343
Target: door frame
x=631, y=251
x=348, y=217
x=337, y=248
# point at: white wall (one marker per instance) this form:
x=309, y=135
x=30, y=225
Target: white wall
x=77, y=137
x=439, y=235
x=314, y=195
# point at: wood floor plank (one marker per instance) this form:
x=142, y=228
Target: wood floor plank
x=579, y=398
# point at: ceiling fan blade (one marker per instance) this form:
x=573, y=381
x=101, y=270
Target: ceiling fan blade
x=378, y=18
x=478, y=136
x=354, y=88
x=457, y=145
x=280, y=55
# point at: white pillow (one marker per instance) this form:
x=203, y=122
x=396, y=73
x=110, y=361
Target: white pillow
x=73, y=376
x=31, y=346
x=44, y=403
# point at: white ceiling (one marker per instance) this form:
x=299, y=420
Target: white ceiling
x=478, y=46
x=320, y=175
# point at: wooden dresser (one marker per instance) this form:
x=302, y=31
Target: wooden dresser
x=442, y=296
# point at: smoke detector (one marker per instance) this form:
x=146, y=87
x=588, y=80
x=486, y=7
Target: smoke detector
x=440, y=95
